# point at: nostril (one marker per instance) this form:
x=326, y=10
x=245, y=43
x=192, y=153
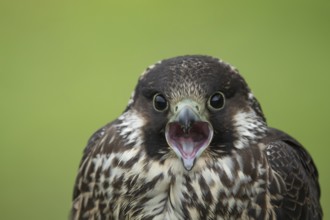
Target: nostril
x=186, y=118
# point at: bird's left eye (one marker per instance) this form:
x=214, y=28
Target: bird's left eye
x=216, y=101
x=160, y=103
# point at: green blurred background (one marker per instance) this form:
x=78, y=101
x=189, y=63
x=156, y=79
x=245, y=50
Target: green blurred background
x=68, y=67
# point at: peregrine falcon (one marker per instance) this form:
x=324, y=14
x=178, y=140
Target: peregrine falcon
x=193, y=143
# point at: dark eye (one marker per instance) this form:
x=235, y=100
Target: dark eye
x=160, y=103
x=216, y=101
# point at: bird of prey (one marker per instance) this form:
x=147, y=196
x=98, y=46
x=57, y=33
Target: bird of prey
x=193, y=143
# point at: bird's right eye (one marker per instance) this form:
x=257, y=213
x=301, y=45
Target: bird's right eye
x=160, y=103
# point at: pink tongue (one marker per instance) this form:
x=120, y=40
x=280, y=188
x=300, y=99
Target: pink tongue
x=187, y=147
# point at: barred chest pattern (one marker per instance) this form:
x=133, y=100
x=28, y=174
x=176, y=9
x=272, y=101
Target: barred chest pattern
x=228, y=188
x=130, y=185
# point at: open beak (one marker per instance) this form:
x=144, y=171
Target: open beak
x=187, y=133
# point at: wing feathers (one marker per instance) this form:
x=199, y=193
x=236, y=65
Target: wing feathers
x=295, y=178
x=86, y=201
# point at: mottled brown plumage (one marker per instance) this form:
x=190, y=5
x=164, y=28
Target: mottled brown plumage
x=193, y=143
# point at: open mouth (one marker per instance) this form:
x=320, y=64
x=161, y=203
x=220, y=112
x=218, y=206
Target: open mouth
x=189, y=143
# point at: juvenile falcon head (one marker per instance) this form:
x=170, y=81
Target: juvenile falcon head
x=195, y=105
x=193, y=143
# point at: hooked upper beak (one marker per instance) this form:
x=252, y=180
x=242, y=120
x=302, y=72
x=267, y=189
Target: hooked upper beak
x=188, y=133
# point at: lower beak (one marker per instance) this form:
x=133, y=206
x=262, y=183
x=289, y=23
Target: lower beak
x=187, y=133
